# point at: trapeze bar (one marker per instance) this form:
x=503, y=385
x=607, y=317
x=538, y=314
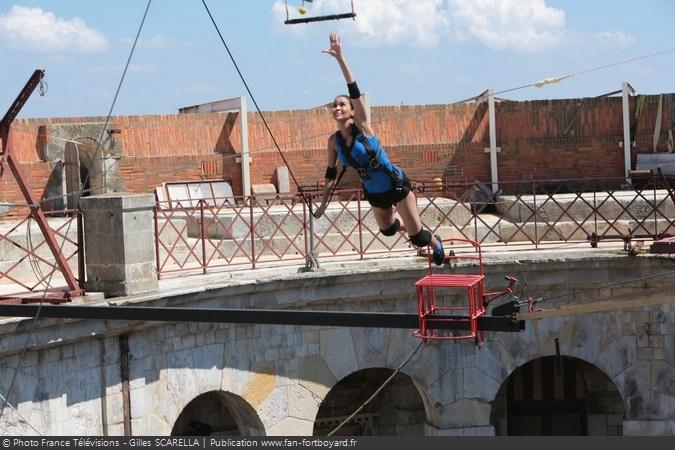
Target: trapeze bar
x=257, y=316
x=320, y=18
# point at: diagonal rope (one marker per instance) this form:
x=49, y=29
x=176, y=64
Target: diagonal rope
x=22, y=418
x=545, y=81
x=119, y=87
x=379, y=121
x=260, y=113
x=379, y=389
x=609, y=285
x=30, y=334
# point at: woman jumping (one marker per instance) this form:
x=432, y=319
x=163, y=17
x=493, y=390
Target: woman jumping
x=385, y=185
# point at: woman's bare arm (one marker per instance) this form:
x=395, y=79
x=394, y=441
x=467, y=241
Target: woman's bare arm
x=328, y=182
x=360, y=116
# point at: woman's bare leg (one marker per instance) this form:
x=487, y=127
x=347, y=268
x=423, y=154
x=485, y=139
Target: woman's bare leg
x=407, y=209
x=385, y=217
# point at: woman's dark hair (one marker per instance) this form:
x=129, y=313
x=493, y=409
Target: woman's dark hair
x=351, y=103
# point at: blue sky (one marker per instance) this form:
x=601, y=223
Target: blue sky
x=402, y=52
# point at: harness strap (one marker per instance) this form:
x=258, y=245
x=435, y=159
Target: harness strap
x=374, y=155
x=347, y=152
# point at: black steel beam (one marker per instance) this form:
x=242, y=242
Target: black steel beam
x=258, y=316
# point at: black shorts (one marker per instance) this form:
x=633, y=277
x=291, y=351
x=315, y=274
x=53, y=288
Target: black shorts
x=386, y=200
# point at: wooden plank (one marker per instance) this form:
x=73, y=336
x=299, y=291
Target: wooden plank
x=661, y=296
x=73, y=180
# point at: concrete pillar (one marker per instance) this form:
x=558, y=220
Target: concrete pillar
x=119, y=243
x=283, y=180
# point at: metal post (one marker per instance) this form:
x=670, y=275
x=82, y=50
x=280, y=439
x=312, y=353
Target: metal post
x=312, y=262
x=245, y=159
x=536, y=222
x=231, y=104
x=154, y=215
x=252, y=199
x=81, y=269
x=360, y=222
x=493, y=141
x=124, y=377
x=626, y=90
x=202, y=232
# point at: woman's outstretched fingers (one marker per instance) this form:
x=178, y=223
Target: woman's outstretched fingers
x=335, y=46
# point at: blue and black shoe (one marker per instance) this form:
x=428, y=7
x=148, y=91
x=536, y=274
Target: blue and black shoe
x=438, y=252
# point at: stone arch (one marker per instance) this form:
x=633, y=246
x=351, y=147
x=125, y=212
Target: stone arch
x=399, y=409
x=558, y=395
x=218, y=413
x=92, y=167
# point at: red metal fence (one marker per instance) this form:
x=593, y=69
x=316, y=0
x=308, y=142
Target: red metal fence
x=198, y=235
x=28, y=271
x=259, y=232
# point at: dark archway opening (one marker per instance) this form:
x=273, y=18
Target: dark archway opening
x=397, y=410
x=85, y=182
x=558, y=396
x=218, y=413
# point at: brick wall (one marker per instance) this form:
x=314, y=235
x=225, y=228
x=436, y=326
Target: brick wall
x=37, y=175
x=538, y=139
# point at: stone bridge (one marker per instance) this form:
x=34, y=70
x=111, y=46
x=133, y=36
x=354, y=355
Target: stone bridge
x=608, y=373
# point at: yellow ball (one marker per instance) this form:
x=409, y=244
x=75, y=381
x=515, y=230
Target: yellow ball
x=302, y=10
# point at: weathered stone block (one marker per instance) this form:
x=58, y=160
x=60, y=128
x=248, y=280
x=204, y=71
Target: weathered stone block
x=119, y=243
x=649, y=427
x=650, y=353
x=283, y=180
x=465, y=413
x=341, y=359
x=617, y=355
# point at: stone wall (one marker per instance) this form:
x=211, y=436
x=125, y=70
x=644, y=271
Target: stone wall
x=274, y=379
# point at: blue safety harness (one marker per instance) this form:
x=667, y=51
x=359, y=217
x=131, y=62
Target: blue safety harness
x=376, y=162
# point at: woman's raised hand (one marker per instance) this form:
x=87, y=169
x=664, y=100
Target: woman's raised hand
x=335, y=49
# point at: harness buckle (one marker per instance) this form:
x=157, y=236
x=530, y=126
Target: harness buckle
x=363, y=173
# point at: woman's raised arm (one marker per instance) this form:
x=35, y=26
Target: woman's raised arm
x=360, y=115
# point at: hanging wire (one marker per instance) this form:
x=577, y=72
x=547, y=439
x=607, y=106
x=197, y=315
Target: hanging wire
x=31, y=332
x=54, y=197
x=545, y=81
x=609, y=285
x=582, y=291
x=398, y=116
x=406, y=360
x=260, y=113
x=23, y=419
x=540, y=83
x=33, y=260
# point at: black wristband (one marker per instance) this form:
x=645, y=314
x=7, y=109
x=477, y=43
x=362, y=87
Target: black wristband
x=331, y=173
x=353, y=90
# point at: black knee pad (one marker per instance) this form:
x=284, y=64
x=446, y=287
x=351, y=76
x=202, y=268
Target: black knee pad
x=421, y=239
x=392, y=229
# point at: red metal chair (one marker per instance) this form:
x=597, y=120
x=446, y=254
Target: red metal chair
x=430, y=307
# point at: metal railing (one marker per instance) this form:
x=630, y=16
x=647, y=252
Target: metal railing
x=28, y=271
x=269, y=231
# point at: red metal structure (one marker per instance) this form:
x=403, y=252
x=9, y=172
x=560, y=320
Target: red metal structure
x=429, y=305
x=430, y=309
x=36, y=212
